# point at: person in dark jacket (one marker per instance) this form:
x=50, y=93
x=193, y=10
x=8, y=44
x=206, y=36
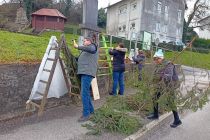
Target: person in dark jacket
x=164, y=79
x=140, y=59
x=87, y=68
x=118, y=68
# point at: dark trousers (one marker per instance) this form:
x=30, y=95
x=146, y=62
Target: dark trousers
x=171, y=104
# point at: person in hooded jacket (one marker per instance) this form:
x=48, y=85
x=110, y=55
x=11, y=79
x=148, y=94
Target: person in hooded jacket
x=164, y=81
x=118, y=65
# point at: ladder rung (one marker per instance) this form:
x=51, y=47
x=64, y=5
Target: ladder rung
x=43, y=81
x=50, y=59
x=71, y=77
x=104, y=60
x=46, y=70
x=68, y=68
x=75, y=94
x=42, y=94
x=104, y=74
x=73, y=86
x=103, y=54
x=54, y=48
x=35, y=104
x=105, y=41
x=103, y=67
x=105, y=47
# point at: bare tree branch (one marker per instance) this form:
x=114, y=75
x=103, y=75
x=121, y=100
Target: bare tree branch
x=199, y=12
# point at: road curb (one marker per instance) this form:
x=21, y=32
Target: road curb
x=148, y=128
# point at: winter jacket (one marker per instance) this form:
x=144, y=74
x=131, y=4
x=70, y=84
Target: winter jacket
x=88, y=60
x=118, y=59
x=165, y=72
x=139, y=59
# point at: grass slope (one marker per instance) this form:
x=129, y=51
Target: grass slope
x=193, y=59
x=20, y=48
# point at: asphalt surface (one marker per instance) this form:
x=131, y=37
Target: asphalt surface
x=195, y=126
x=56, y=124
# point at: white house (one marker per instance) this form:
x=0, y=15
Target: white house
x=164, y=19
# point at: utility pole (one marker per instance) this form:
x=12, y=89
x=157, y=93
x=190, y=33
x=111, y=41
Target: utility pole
x=89, y=23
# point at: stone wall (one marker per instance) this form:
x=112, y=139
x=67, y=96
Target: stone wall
x=16, y=82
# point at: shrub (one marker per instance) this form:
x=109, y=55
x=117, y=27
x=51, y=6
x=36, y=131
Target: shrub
x=202, y=43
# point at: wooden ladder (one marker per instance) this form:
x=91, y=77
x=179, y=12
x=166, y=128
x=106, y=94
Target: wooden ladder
x=69, y=73
x=69, y=67
x=47, y=82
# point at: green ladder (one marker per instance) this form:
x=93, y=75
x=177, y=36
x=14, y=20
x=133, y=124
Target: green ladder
x=105, y=57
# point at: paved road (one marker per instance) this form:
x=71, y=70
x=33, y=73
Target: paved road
x=196, y=126
x=194, y=77
x=56, y=124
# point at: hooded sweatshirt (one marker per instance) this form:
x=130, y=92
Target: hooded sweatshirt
x=118, y=59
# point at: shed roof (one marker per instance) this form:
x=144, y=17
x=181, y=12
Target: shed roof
x=49, y=12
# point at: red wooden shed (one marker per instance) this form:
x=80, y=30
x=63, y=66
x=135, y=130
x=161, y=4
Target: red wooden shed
x=48, y=19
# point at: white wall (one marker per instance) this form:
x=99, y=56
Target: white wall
x=204, y=34
x=116, y=20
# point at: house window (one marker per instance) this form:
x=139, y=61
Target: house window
x=61, y=20
x=178, y=32
x=40, y=18
x=52, y=19
x=123, y=9
x=157, y=27
x=133, y=25
x=166, y=12
x=124, y=27
x=133, y=6
x=179, y=16
x=120, y=28
x=159, y=7
x=165, y=28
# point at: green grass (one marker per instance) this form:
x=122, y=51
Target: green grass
x=15, y=47
x=193, y=59
x=72, y=26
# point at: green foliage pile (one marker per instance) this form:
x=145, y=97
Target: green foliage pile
x=115, y=116
x=115, y=121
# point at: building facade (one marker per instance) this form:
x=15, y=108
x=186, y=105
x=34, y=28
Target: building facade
x=164, y=19
x=48, y=19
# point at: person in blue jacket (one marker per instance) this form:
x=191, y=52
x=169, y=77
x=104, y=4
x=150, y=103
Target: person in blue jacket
x=118, y=65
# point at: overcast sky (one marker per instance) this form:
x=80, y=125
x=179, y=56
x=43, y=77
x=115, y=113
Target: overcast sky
x=101, y=3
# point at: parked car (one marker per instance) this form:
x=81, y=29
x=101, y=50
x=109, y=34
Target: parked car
x=172, y=46
x=178, y=43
